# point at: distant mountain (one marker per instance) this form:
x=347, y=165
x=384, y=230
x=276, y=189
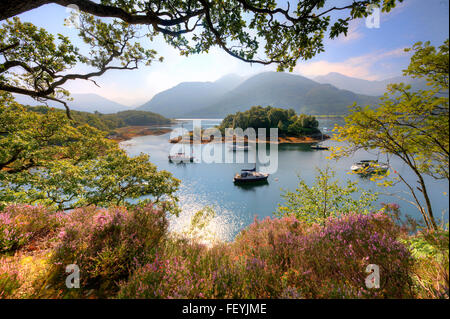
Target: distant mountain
x=206, y=99
x=81, y=102
x=188, y=97
x=367, y=87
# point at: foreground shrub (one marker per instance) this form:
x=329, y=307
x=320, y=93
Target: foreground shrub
x=186, y=270
x=430, y=250
x=107, y=245
x=330, y=261
x=9, y=279
x=327, y=197
x=282, y=258
x=20, y=224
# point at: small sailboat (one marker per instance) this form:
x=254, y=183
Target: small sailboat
x=319, y=146
x=235, y=147
x=366, y=167
x=250, y=176
x=181, y=157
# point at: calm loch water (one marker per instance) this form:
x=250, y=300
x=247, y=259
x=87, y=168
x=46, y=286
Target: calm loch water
x=236, y=206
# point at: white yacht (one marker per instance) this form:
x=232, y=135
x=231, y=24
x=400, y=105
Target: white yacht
x=250, y=175
x=181, y=158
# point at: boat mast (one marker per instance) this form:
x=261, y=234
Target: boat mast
x=182, y=134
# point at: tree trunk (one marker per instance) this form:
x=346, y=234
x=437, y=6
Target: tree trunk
x=427, y=201
x=10, y=9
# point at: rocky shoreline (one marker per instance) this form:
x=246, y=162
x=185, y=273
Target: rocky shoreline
x=281, y=140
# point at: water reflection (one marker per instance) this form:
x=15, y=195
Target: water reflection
x=211, y=184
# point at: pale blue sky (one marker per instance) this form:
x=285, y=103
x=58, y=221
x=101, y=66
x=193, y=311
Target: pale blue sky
x=375, y=53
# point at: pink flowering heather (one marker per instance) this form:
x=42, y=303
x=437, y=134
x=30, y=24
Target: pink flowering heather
x=282, y=258
x=21, y=223
x=329, y=261
x=9, y=278
x=107, y=244
x=187, y=270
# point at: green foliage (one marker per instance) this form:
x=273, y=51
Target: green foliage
x=433, y=244
x=429, y=63
x=413, y=126
x=242, y=29
x=325, y=198
x=45, y=62
x=430, y=250
x=44, y=159
x=110, y=29
x=287, y=122
x=108, y=122
x=34, y=49
x=131, y=118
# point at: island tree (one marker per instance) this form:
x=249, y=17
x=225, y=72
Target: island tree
x=412, y=126
x=286, y=120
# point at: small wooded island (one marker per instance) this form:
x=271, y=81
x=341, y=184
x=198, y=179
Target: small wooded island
x=292, y=128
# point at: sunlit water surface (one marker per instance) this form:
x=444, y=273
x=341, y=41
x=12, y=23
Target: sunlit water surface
x=235, y=206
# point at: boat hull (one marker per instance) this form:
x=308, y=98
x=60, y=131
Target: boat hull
x=181, y=159
x=238, y=180
x=368, y=169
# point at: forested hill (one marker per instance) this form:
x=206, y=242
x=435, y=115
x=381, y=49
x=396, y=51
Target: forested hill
x=109, y=122
x=83, y=102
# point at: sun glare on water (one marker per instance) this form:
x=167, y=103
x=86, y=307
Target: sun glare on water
x=204, y=222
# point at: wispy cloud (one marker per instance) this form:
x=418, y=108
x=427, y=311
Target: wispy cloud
x=360, y=66
x=354, y=33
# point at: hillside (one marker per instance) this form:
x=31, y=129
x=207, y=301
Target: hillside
x=367, y=87
x=81, y=102
x=282, y=90
x=188, y=97
x=110, y=122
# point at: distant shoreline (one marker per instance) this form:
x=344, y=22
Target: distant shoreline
x=281, y=140
x=220, y=119
x=128, y=132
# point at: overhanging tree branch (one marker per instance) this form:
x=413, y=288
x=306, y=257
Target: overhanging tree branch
x=238, y=27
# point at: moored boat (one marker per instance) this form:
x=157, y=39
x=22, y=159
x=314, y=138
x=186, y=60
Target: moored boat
x=369, y=167
x=235, y=147
x=181, y=158
x=250, y=176
x=319, y=147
